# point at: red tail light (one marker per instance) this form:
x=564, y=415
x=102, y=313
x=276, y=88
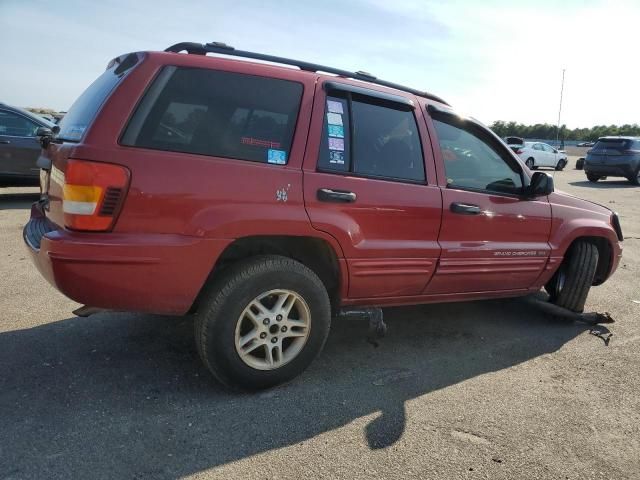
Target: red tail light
x=92, y=194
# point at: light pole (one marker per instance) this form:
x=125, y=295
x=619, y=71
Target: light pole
x=560, y=109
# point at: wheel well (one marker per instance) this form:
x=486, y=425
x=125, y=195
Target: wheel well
x=605, y=259
x=312, y=252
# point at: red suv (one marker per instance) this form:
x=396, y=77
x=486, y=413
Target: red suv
x=266, y=199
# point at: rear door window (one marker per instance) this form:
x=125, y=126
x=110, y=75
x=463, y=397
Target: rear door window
x=222, y=114
x=367, y=138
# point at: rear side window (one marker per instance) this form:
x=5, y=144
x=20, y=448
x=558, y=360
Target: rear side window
x=84, y=109
x=364, y=137
x=612, y=144
x=217, y=113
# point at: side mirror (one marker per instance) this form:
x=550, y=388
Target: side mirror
x=45, y=135
x=540, y=186
x=44, y=132
x=555, y=150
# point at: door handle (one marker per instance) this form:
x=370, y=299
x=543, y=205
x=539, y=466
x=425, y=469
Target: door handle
x=465, y=208
x=6, y=142
x=337, y=196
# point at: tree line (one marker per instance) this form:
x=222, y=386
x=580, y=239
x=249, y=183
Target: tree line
x=548, y=131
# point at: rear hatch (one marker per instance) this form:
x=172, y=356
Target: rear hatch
x=89, y=186
x=610, y=151
x=515, y=143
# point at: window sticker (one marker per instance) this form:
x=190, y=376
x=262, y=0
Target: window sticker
x=336, y=131
x=336, y=144
x=334, y=107
x=336, y=157
x=279, y=157
x=258, y=142
x=334, y=119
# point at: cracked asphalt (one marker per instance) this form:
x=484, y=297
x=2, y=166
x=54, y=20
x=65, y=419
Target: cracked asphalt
x=493, y=389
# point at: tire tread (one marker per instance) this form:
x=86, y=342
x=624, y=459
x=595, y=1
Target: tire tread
x=582, y=264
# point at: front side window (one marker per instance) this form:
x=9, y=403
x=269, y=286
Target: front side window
x=15, y=125
x=471, y=162
x=217, y=113
x=363, y=136
x=547, y=148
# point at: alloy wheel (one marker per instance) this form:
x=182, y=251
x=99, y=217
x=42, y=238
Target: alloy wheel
x=272, y=330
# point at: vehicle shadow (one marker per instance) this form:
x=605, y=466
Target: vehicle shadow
x=17, y=201
x=121, y=395
x=604, y=184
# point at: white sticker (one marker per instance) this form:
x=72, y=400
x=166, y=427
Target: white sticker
x=334, y=119
x=334, y=107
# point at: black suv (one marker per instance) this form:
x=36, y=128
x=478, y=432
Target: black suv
x=614, y=157
x=19, y=146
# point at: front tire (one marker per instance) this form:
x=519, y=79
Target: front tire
x=530, y=163
x=635, y=180
x=263, y=322
x=570, y=285
x=560, y=165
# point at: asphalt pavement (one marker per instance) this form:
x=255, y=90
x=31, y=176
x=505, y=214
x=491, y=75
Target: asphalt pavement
x=496, y=389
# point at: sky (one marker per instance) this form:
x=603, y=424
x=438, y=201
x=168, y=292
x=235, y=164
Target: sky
x=493, y=60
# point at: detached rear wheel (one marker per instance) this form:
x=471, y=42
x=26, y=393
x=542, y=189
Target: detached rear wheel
x=570, y=285
x=264, y=321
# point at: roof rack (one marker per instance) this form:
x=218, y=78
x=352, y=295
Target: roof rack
x=224, y=49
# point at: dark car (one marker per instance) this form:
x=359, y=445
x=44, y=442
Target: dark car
x=614, y=157
x=242, y=193
x=19, y=146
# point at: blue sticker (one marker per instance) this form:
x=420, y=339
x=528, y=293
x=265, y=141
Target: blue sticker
x=336, y=131
x=279, y=157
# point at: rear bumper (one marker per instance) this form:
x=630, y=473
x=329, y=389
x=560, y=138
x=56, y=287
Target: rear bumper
x=156, y=273
x=616, y=170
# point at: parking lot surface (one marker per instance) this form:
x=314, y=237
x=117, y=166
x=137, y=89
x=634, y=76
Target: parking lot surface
x=493, y=389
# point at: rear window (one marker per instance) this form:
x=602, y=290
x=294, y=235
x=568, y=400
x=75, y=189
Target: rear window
x=217, y=113
x=84, y=109
x=613, y=144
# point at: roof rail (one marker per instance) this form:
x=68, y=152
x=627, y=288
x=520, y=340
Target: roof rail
x=224, y=49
